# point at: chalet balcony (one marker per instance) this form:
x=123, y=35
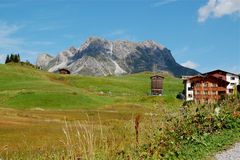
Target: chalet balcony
x=207, y=96
x=210, y=88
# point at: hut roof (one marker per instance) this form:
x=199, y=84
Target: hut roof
x=63, y=69
x=157, y=76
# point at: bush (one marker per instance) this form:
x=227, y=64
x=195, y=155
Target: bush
x=191, y=126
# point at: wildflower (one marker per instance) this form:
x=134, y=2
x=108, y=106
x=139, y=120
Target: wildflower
x=217, y=110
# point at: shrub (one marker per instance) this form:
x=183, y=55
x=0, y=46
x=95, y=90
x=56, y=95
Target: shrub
x=190, y=126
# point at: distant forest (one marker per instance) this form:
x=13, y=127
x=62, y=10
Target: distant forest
x=15, y=58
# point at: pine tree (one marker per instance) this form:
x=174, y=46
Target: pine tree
x=11, y=58
x=7, y=59
x=15, y=58
x=18, y=58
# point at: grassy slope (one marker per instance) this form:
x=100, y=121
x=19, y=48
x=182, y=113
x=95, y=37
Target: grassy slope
x=24, y=87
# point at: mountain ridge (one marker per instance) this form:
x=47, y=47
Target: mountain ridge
x=101, y=57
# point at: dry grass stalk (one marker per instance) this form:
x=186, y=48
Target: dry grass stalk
x=80, y=140
x=4, y=149
x=137, y=122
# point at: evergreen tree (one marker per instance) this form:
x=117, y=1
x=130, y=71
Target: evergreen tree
x=7, y=59
x=11, y=58
x=18, y=58
x=15, y=59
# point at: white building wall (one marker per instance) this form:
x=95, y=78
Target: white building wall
x=232, y=82
x=189, y=93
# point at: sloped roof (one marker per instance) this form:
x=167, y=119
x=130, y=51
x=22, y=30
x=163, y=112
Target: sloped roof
x=157, y=76
x=63, y=69
x=209, y=77
x=219, y=70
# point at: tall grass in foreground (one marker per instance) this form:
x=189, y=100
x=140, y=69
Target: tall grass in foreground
x=154, y=137
x=90, y=140
x=80, y=140
x=187, y=134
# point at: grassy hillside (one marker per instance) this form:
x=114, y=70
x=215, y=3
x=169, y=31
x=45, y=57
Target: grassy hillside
x=52, y=116
x=25, y=87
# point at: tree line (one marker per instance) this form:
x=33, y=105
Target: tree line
x=15, y=58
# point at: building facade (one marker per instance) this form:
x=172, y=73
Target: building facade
x=205, y=89
x=210, y=87
x=232, y=78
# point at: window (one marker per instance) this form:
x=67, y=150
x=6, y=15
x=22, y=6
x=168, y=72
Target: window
x=214, y=92
x=198, y=85
x=214, y=85
x=232, y=78
x=232, y=84
x=205, y=92
x=205, y=84
x=198, y=92
x=190, y=95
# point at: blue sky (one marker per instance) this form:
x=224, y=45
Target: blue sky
x=202, y=34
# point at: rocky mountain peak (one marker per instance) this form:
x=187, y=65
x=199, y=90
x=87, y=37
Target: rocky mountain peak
x=43, y=59
x=153, y=44
x=73, y=49
x=98, y=56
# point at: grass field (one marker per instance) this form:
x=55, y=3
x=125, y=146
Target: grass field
x=24, y=87
x=34, y=104
x=52, y=116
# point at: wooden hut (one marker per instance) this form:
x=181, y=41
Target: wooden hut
x=157, y=85
x=64, y=71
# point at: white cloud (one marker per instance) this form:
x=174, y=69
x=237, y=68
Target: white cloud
x=9, y=43
x=6, y=31
x=218, y=8
x=190, y=64
x=2, y=58
x=162, y=2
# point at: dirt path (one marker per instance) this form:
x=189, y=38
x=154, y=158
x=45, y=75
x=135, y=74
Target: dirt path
x=230, y=154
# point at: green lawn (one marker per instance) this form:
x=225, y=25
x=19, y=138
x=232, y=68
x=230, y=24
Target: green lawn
x=25, y=87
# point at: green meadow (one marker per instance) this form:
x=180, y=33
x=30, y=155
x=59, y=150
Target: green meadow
x=24, y=87
x=52, y=116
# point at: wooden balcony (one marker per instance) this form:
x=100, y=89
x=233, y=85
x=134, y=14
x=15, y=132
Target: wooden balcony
x=206, y=96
